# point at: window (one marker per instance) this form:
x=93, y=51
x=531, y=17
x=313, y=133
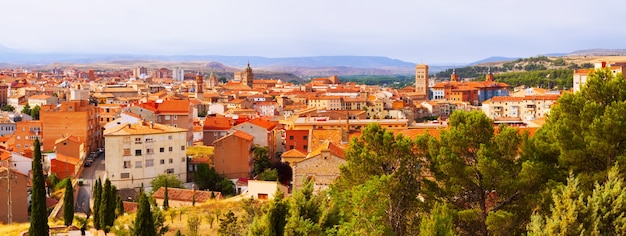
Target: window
x=138, y=164
x=125, y=175
x=137, y=140
x=182, y=159
x=170, y=171
x=291, y=137
x=126, y=164
x=305, y=147
x=175, y=117
x=171, y=149
x=171, y=160
x=161, y=149
x=149, y=140
x=305, y=137
x=167, y=117
x=182, y=148
x=169, y=137
x=150, y=151
x=138, y=152
x=162, y=161
x=126, y=151
x=290, y=147
x=149, y=163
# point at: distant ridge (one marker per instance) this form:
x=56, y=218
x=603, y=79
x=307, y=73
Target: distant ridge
x=599, y=52
x=492, y=59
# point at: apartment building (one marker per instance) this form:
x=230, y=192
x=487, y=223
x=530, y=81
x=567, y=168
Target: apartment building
x=77, y=118
x=233, y=155
x=580, y=75
x=138, y=153
x=25, y=134
x=529, y=107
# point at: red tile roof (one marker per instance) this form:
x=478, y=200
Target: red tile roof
x=243, y=135
x=174, y=106
x=269, y=125
x=218, y=123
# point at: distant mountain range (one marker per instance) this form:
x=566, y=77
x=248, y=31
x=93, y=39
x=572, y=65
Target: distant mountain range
x=300, y=66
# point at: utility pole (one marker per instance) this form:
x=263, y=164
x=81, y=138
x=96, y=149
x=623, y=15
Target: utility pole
x=8, y=177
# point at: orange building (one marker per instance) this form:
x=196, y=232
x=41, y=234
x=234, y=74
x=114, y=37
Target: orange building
x=297, y=139
x=108, y=113
x=19, y=196
x=25, y=134
x=215, y=128
x=78, y=118
x=233, y=156
x=64, y=166
x=71, y=146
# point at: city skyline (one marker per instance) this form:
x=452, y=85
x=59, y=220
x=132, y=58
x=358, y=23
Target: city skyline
x=412, y=31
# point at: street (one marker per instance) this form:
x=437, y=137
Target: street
x=89, y=176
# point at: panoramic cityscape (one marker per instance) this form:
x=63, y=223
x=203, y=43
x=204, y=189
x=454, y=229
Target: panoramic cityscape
x=315, y=118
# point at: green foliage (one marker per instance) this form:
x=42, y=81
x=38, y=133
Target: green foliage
x=106, y=210
x=38, y=212
x=7, y=107
x=378, y=152
x=26, y=109
x=210, y=218
x=229, y=225
x=273, y=218
x=159, y=221
x=364, y=208
x=144, y=223
x=68, y=204
x=97, y=193
x=440, y=222
x=269, y=175
x=35, y=112
x=476, y=170
x=119, y=208
x=395, y=81
x=304, y=212
x=206, y=177
x=171, y=180
x=193, y=225
x=166, y=202
x=587, y=127
x=54, y=180
x=561, y=78
x=261, y=160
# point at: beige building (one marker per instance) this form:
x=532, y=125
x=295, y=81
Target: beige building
x=421, y=80
x=138, y=153
x=580, y=75
x=524, y=108
x=321, y=166
x=325, y=102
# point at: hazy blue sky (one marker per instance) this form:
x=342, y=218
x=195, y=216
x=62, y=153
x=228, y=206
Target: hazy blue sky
x=437, y=31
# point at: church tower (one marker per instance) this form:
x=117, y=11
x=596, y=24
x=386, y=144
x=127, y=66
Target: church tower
x=199, y=86
x=489, y=77
x=454, y=77
x=421, y=80
x=248, y=77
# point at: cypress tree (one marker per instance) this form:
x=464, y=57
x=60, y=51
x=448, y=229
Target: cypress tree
x=119, y=208
x=144, y=224
x=105, y=206
x=97, y=194
x=68, y=203
x=38, y=213
x=166, y=203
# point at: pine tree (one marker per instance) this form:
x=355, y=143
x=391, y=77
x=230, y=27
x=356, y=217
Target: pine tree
x=97, y=194
x=38, y=214
x=68, y=203
x=144, y=224
x=105, y=206
x=166, y=204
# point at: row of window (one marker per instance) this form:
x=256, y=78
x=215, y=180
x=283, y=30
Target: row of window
x=291, y=137
x=150, y=150
x=150, y=163
x=127, y=175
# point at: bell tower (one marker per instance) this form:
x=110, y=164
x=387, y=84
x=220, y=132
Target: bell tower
x=199, y=86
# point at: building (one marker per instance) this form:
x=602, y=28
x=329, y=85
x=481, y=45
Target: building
x=297, y=139
x=200, y=87
x=71, y=146
x=18, y=190
x=421, y=80
x=265, y=190
x=64, y=166
x=25, y=134
x=309, y=123
x=7, y=125
x=215, y=128
x=321, y=166
x=472, y=92
x=246, y=77
x=17, y=162
x=233, y=155
x=177, y=113
x=138, y=153
x=77, y=118
x=178, y=197
x=580, y=75
x=108, y=113
x=263, y=132
x=178, y=74
x=529, y=107
x=4, y=93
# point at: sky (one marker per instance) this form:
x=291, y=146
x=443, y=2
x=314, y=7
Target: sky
x=431, y=32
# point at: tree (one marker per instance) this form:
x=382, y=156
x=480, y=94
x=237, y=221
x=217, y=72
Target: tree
x=103, y=211
x=600, y=213
x=193, y=225
x=206, y=177
x=119, y=208
x=38, y=212
x=35, y=112
x=210, y=218
x=587, y=127
x=97, y=194
x=159, y=221
x=7, y=107
x=144, y=223
x=166, y=204
x=261, y=159
x=273, y=219
x=68, y=203
x=377, y=153
x=439, y=222
x=229, y=225
x=171, y=180
x=304, y=212
x=268, y=175
x=26, y=109
x=476, y=170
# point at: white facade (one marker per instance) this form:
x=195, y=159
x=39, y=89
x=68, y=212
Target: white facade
x=138, y=153
x=178, y=74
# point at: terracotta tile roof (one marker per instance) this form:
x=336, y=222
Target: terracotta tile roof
x=51, y=202
x=39, y=96
x=200, y=160
x=413, y=133
x=218, y=123
x=141, y=128
x=243, y=135
x=327, y=145
x=130, y=207
x=71, y=138
x=67, y=159
x=293, y=153
x=174, y=106
x=266, y=124
x=185, y=195
x=4, y=155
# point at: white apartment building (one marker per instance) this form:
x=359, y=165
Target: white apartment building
x=138, y=153
x=580, y=75
x=529, y=107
